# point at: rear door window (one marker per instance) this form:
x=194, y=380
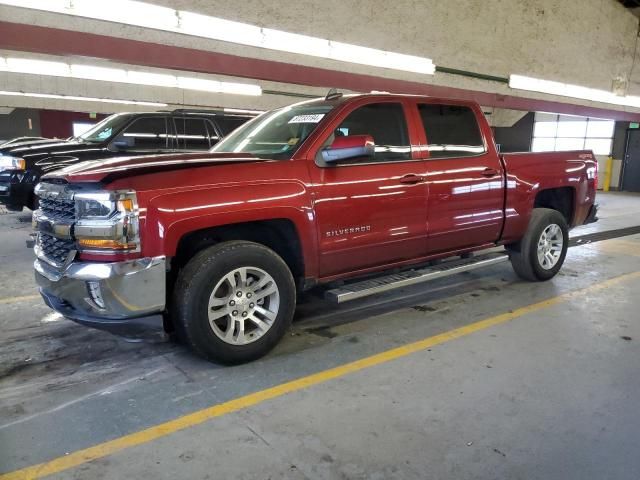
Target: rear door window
x=214, y=133
x=451, y=130
x=192, y=133
x=149, y=133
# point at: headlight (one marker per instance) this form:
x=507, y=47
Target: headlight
x=12, y=163
x=107, y=222
x=94, y=205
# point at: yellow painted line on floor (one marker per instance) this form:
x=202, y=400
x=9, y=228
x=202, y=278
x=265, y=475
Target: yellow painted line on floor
x=23, y=298
x=110, y=447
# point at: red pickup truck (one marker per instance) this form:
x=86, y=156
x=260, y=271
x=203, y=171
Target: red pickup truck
x=215, y=246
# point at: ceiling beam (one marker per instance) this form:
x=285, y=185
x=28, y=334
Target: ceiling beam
x=53, y=41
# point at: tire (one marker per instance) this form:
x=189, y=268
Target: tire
x=34, y=203
x=14, y=208
x=210, y=298
x=524, y=255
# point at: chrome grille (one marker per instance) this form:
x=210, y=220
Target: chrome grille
x=55, y=249
x=58, y=208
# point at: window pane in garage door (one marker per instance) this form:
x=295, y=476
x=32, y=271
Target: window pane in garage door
x=572, y=133
x=569, y=126
x=546, y=125
x=564, y=144
x=543, y=144
x=600, y=146
x=600, y=128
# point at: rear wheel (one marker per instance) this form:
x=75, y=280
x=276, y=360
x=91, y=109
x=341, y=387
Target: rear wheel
x=14, y=208
x=234, y=301
x=541, y=252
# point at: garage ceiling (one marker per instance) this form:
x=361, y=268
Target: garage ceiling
x=471, y=64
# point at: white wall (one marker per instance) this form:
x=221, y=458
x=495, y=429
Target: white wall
x=616, y=170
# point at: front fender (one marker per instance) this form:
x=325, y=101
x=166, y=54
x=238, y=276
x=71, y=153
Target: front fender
x=170, y=216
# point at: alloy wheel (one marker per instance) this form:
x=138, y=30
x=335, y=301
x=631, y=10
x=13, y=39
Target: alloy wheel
x=243, y=305
x=550, y=246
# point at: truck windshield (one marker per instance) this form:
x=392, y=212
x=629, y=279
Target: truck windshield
x=276, y=134
x=104, y=130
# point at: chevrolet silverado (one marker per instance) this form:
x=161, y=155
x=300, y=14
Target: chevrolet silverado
x=215, y=246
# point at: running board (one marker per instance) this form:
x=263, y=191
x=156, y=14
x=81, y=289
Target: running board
x=365, y=288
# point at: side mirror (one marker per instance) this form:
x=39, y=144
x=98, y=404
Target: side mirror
x=351, y=146
x=122, y=143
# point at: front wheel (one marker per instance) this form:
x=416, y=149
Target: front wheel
x=541, y=252
x=34, y=203
x=234, y=301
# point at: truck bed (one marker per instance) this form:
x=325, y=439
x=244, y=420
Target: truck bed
x=529, y=173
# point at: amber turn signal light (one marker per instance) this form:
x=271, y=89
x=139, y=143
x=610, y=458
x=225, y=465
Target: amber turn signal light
x=104, y=244
x=125, y=205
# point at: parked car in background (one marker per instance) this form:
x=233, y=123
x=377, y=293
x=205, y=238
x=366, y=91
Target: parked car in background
x=9, y=162
x=122, y=134
x=220, y=243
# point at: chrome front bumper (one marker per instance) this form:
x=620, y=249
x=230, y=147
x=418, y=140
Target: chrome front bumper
x=122, y=297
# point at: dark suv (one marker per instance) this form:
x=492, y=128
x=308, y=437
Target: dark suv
x=121, y=134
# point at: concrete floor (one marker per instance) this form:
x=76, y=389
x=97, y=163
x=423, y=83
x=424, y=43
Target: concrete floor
x=551, y=394
x=616, y=210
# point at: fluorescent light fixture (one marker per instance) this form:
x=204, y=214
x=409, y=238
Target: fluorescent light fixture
x=243, y=110
x=202, y=84
x=39, y=67
x=295, y=43
x=190, y=83
x=521, y=82
x=142, y=14
x=150, y=78
x=216, y=28
x=134, y=77
x=82, y=99
x=106, y=74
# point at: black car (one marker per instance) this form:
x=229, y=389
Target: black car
x=22, y=140
x=122, y=134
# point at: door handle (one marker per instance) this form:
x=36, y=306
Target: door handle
x=489, y=172
x=411, y=179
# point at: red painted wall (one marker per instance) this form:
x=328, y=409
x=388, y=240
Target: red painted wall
x=59, y=124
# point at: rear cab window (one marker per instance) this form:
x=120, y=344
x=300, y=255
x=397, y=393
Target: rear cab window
x=452, y=131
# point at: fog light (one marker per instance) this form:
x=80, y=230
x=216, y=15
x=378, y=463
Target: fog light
x=95, y=293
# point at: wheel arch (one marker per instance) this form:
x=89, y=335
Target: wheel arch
x=279, y=234
x=561, y=199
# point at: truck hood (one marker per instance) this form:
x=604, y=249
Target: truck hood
x=106, y=171
x=40, y=148
x=6, y=147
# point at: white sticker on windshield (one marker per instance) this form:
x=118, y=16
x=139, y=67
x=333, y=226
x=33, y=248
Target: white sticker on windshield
x=315, y=118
